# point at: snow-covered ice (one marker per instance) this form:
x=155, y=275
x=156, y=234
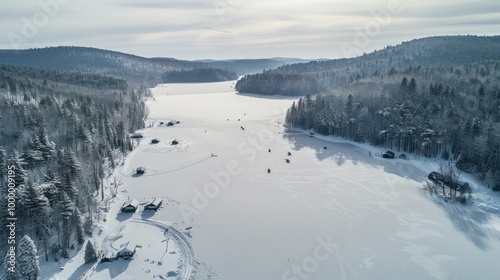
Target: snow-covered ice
x=335, y=213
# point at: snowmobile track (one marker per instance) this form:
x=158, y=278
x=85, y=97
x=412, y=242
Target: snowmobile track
x=185, y=247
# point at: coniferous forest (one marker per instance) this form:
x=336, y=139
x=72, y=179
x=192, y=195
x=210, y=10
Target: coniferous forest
x=447, y=112
x=60, y=132
x=203, y=75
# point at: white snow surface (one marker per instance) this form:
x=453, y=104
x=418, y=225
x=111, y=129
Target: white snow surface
x=335, y=213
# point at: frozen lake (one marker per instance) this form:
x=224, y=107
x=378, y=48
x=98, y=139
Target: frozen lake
x=335, y=213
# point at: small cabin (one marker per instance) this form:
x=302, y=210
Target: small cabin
x=155, y=141
x=388, y=154
x=175, y=142
x=108, y=257
x=130, y=206
x=126, y=253
x=140, y=170
x=137, y=135
x=155, y=204
x=170, y=123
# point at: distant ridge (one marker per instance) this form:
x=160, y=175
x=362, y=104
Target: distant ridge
x=126, y=66
x=317, y=76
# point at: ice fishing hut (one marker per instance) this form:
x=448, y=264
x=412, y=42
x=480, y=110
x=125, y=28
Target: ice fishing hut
x=155, y=204
x=140, y=170
x=388, y=154
x=130, y=206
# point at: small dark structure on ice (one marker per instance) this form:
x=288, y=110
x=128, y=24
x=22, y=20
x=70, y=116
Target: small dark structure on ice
x=155, y=141
x=287, y=160
x=269, y=170
x=289, y=154
x=140, y=170
x=175, y=142
x=388, y=154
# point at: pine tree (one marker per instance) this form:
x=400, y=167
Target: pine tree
x=412, y=88
x=90, y=253
x=27, y=258
x=79, y=227
x=38, y=209
x=45, y=147
x=67, y=209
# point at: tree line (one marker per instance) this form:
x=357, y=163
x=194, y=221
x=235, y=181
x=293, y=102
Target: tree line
x=202, y=75
x=448, y=112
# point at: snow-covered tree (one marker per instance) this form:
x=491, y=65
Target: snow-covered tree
x=90, y=253
x=27, y=259
x=79, y=227
x=38, y=210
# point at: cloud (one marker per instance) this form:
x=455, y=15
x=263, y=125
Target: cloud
x=191, y=29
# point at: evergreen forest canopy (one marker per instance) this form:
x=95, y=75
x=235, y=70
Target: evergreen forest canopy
x=451, y=112
x=202, y=75
x=61, y=131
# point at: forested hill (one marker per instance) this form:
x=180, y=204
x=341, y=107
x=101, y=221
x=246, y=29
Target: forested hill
x=135, y=69
x=60, y=132
x=318, y=76
x=451, y=112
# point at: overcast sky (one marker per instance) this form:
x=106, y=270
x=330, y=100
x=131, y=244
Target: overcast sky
x=220, y=29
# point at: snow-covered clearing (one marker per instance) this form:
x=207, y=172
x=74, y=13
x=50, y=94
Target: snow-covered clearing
x=335, y=213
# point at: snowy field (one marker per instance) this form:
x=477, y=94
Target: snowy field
x=334, y=213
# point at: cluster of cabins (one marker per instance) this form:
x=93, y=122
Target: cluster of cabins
x=391, y=154
x=132, y=205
